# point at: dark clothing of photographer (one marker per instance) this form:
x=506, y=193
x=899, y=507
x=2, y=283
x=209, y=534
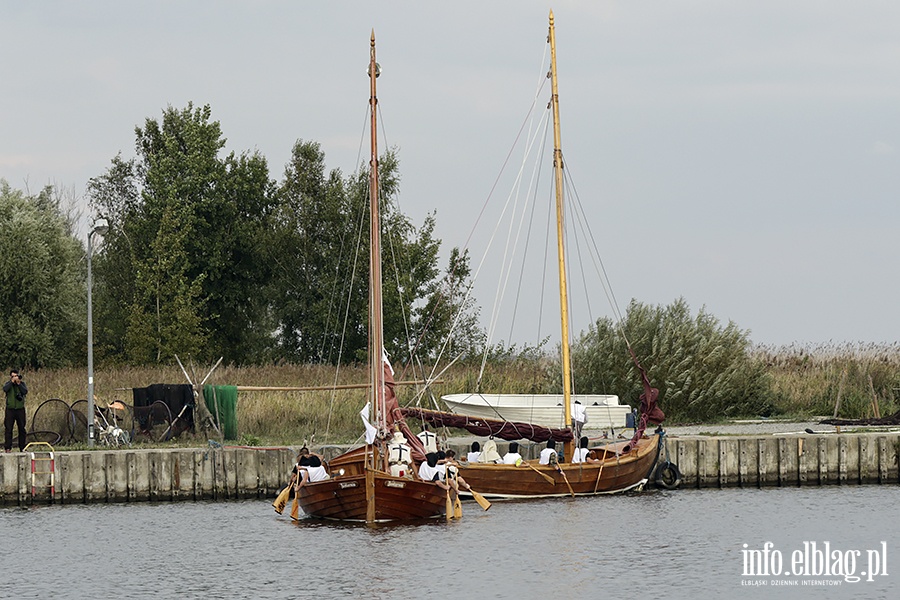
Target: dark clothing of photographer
x=15, y=391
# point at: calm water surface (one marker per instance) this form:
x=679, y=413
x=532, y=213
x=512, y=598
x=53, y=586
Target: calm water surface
x=680, y=544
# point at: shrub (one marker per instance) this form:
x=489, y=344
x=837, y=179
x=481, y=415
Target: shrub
x=704, y=371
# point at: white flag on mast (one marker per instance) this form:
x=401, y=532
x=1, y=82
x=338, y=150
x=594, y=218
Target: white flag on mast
x=386, y=360
x=370, y=429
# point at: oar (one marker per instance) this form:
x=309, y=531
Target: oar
x=295, y=507
x=481, y=500
x=549, y=479
x=563, y=473
x=453, y=489
x=448, y=509
x=282, y=499
x=599, y=473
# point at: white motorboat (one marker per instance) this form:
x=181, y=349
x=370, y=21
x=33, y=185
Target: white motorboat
x=603, y=410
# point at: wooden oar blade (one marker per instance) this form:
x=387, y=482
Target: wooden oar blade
x=282, y=500
x=481, y=500
x=295, y=509
x=457, y=508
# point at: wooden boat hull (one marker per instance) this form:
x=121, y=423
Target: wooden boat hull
x=343, y=497
x=603, y=410
x=612, y=475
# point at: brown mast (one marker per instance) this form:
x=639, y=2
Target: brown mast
x=376, y=331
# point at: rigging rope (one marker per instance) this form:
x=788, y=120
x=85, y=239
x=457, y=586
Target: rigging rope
x=359, y=229
x=528, y=118
x=599, y=267
x=503, y=281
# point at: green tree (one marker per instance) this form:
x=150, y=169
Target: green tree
x=183, y=270
x=704, y=371
x=174, y=322
x=308, y=246
x=206, y=255
x=320, y=252
x=448, y=322
x=42, y=294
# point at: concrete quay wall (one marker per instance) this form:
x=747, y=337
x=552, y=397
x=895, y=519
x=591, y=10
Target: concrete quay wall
x=138, y=475
x=786, y=460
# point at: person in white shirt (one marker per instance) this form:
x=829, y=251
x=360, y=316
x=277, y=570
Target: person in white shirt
x=400, y=456
x=579, y=418
x=429, y=440
x=301, y=474
x=512, y=457
x=430, y=471
x=582, y=454
x=451, y=473
x=548, y=454
x=489, y=454
x=442, y=463
x=475, y=453
x=315, y=471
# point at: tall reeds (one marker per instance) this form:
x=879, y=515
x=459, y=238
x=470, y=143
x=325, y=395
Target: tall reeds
x=805, y=380
x=808, y=378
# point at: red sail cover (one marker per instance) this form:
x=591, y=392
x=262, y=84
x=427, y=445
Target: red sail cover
x=650, y=412
x=507, y=430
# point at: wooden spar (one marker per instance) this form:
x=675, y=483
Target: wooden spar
x=376, y=333
x=371, y=508
x=362, y=488
x=321, y=388
x=218, y=362
x=313, y=388
x=568, y=448
x=202, y=416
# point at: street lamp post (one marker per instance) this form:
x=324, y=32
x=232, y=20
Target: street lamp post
x=101, y=228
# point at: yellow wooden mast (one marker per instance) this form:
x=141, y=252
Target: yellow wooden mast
x=568, y=448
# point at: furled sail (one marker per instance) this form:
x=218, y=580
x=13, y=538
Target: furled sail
x=507, y=430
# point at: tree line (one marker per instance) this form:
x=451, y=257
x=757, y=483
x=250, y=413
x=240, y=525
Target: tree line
x=206, y=255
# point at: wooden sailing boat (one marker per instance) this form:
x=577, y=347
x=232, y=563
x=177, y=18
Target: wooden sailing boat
x=620, y=466
x=361, y=487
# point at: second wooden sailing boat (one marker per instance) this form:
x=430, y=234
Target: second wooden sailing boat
x=361, y=487
x=617, y=467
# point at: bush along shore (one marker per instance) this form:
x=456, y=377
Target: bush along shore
x=798, y=382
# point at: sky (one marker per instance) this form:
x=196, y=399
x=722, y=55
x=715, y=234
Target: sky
x=744, y=156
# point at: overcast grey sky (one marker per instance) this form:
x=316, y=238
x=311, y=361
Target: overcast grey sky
x=743, y=155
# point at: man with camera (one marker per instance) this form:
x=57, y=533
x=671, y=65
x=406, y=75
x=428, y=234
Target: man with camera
x=15, y=392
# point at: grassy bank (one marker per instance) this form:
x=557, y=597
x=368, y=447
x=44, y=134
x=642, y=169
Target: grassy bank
x=275, y=417
x=806, y=382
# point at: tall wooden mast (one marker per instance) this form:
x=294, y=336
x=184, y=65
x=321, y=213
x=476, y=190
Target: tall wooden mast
x=376, y=330
x=568, y=448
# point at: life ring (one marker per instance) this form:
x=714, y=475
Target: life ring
x=667, y=475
